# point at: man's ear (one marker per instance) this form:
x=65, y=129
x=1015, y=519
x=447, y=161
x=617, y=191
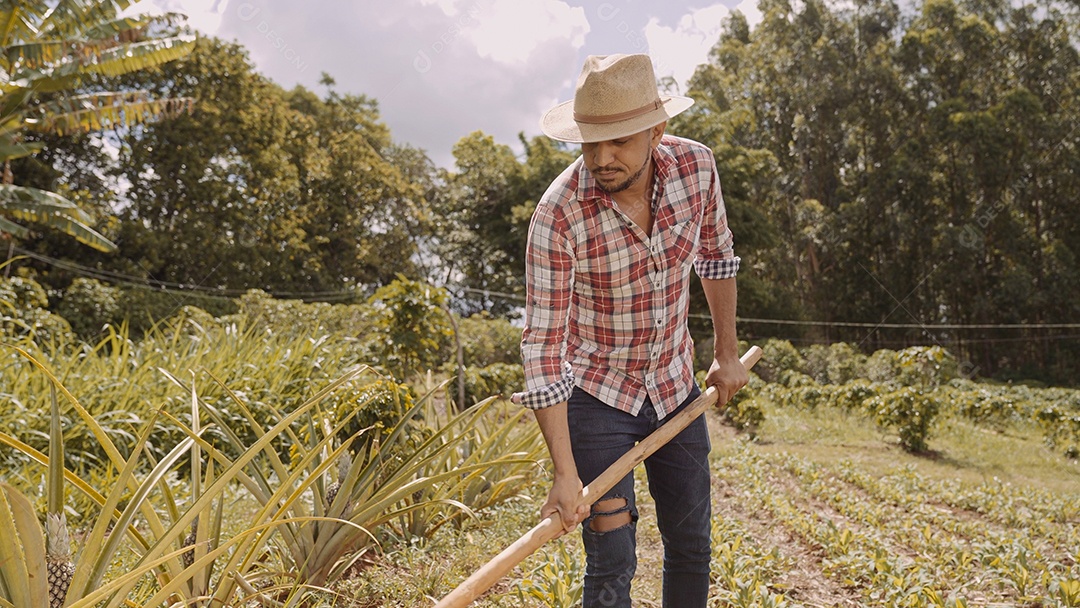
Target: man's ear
x=657, y=133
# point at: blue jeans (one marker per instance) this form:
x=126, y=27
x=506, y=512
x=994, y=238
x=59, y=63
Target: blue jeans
x=679, y=482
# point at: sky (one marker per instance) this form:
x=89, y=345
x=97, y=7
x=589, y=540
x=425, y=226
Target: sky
x=442, y=69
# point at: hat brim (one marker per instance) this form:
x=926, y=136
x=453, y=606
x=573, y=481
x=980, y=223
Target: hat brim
x=559, y=124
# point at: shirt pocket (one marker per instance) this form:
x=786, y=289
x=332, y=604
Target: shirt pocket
x=681, y=242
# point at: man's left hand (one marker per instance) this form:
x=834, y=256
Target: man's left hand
x=728, y=375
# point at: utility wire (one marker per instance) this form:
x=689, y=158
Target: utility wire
x=226, y=294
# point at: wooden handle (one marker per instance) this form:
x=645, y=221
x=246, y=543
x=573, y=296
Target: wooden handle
x=551, y=526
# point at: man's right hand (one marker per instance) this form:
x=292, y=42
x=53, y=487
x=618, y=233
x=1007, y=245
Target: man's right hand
x=563, y=498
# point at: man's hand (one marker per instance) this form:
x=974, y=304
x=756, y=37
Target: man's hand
x=728, y=375
x=562, y=498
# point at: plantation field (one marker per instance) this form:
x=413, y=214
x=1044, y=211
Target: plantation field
x=824, y=509
x=317, y=478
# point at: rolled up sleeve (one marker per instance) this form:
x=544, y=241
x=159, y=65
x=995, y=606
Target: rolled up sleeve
x=716, y=257
x=549, y=277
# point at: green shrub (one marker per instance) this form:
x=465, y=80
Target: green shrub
x=925, y=366
x=23, y=313
x=882, y=366
x=379, y=406
x=816, y=362
x=744, y=411
x=844, y=363
x=852, y=396
x=487, y=340
x=792, y=378
x=495, y=380
x=89, y=305
x=910, y=412
x=777, y=356
x=981, y=405
x=142, y=307
x=302, y=317
x=1061, y=429
x=411, y=330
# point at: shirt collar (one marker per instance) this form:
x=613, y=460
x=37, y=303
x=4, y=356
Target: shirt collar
x=663, y=160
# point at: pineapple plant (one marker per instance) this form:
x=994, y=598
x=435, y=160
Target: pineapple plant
x=188, y=557
x=58, y=558
x=344, y=464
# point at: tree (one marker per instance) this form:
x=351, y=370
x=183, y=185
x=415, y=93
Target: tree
x=916, y=170
x=412, y=327
x=52, y=47
x=484, y=211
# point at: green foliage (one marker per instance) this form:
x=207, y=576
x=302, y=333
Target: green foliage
x=144, y=307
x=49, y=49
x=402, y=482
x=776, y=357
x=495, y=380
x=883, y=366
x=910, y=411
x=910, y=164
x=1061, y=427
x=852, y=396
x=23, y=313
x=487, y=340
x=925, y=366
x=411, y=328
x=484, y=212
x=88, y=305
x=557, y=579
x=744, y=411
x=368, y=413
x=844, y=363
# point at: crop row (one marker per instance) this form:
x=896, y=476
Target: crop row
x=906, y=551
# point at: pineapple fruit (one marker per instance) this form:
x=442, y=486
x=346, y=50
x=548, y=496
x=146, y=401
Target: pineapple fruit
x=58, y=558
x=344, y=463
x=188, y=557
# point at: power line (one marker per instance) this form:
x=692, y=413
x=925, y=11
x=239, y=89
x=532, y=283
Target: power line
x=342, y=295
x=906, y=325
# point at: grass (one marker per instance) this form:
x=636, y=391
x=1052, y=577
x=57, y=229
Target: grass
x=959, y=449
x=801, y=495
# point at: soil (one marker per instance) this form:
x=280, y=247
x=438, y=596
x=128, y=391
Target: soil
x=804, y=585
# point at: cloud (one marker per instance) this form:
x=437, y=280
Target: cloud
x=439, y=69
x=499, y=34
x=678, y=50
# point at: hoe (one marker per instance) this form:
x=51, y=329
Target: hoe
x=550, y=527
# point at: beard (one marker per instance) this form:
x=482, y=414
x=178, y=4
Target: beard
x=630, y=181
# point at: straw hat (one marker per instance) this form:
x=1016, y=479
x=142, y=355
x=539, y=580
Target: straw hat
x=616, y=96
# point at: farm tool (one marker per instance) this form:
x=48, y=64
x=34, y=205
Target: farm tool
x=551, y=527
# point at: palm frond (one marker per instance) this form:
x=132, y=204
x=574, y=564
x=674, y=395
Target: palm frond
x=87, y=113
x=10, y=150
x=130, y=29
x=34, y=205
x=18, y=20
x=113, y=61
x=69, y=17
x=43, y=54
x=9, y=227
x=52, y=210
x=137, y=56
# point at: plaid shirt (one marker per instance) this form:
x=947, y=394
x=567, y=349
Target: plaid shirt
x=607, y=304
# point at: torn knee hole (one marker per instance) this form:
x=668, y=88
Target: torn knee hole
x=610, y=514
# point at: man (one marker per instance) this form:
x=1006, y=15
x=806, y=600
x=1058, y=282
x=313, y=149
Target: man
x=607, y=353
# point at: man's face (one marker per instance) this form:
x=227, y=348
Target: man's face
x=618, y=164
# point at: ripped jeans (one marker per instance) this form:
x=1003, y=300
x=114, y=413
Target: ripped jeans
x=679, y=482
